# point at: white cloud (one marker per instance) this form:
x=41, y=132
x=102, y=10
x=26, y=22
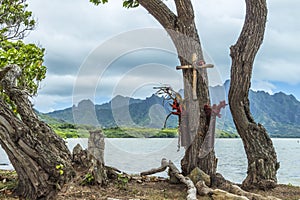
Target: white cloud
x=69, y=30
x=277, y=69
x=263, y=86
x=61, y=85
x=49, y=103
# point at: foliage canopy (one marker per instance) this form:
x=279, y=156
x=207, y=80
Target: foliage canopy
x=15, y=22
x=29, y=58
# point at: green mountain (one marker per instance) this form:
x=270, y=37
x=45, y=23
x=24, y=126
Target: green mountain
x=279, y=113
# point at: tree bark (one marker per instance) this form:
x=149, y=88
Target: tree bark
x=184, y=34
x=40, y=158
x=262, y=159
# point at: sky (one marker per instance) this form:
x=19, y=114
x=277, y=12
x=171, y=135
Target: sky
x=97, y=52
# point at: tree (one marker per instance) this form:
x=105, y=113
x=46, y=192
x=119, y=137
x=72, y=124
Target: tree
x=40, y=158
x=183, y=32
x=262, y=159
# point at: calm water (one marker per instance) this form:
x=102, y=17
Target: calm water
x=136, y=155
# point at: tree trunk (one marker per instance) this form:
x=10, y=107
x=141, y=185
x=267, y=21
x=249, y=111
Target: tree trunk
x=40, y=158
x=183, y=32
x=262, y=159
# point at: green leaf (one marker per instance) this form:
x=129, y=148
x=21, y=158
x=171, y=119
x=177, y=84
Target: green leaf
x=97, y=2
x=29, y=58
x=15, y=19
x=130, y=3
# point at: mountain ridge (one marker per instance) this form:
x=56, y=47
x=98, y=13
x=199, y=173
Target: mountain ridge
x=279, y=112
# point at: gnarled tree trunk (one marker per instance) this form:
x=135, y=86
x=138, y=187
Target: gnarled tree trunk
x=262, y=159
x=183, y=32
x=40, y=158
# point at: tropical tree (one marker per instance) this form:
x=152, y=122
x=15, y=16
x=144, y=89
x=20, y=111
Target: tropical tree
x=40, y=158
x=262, y=159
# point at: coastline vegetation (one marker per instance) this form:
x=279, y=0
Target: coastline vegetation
x=67, y=130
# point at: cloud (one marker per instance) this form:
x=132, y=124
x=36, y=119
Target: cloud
x=48, y=103
x=219, y=27
x=71, y=30
x=137, y=82
x=277, y=69
x=61, y=85
x=263, y=86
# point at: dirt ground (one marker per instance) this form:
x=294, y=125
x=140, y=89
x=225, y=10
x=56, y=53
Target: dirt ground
x=136, y=188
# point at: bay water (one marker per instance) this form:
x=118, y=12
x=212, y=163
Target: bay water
x=134, y=155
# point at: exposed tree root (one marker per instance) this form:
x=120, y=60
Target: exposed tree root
x=163, y=167
x=221, y=188
x=175, y=175
x=221, y=183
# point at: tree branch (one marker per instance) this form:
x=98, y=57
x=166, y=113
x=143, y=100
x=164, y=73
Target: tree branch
x=20, y=98
x=16, y=23
x=160, y=12
x=253, y=31
x=4, y=71
x=184, y=9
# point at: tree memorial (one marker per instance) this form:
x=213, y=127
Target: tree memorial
x=41, y=158
x=194, y=119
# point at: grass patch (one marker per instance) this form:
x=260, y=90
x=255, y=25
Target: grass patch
x=226, y=134
x=130, y=132
x=8, y=180
x=166, y=133
x=67, y=130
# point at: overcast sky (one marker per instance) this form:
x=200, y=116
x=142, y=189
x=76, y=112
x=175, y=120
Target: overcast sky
x=100, y=51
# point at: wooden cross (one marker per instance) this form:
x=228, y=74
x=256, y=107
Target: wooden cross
x=195, y=66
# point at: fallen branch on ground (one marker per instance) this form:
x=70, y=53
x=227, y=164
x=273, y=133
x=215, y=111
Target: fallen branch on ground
x=174, y=172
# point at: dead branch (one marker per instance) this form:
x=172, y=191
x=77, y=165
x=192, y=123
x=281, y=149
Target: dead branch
x=163, y=167
x=174, y=172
